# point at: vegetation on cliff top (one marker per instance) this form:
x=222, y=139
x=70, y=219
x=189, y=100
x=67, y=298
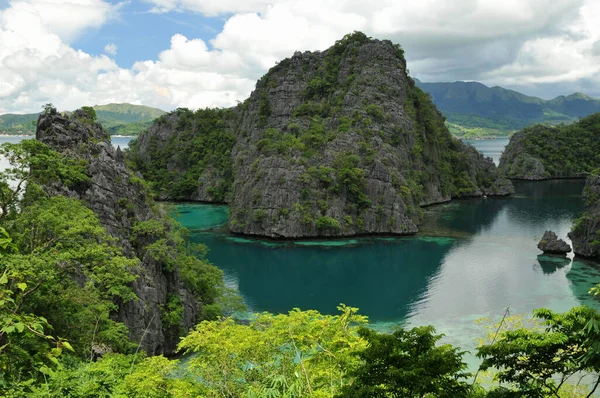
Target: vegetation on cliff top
x=203, y=140
x=564, y=151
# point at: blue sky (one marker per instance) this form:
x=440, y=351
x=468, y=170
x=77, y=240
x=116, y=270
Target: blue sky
x=209, y=53
x=140, y=34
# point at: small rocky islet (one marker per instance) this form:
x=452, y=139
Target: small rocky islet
x=551, y=244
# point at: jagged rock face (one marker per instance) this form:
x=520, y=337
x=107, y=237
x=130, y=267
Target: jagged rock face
x=341, y=142
x=585, y=235
x=338, y=143
x=517, y=163
x=119, y=201
x=550, y=244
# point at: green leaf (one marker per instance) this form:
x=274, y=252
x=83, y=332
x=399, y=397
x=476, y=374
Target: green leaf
x=22, y=286
x=68, y=346
x=8, y=329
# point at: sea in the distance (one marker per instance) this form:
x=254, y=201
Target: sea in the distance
x=490, y=148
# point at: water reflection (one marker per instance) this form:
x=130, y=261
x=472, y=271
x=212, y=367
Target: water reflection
x=489, y=262
x=583, y=275
x=550, y=264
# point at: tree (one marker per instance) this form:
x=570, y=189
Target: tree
x=90, y=111
x=31, y=163
x=538, y=363
x=25, y=346
x=302, y=353
x=408, y=363
x=118, y=375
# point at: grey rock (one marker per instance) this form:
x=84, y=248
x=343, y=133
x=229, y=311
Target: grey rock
x=500, y=187
x=550, y=244
x=517, y=163
x=373, y=112
x=585, y=235
x=119, y=201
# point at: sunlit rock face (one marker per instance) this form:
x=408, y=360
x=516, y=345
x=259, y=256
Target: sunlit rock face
x=332, y=143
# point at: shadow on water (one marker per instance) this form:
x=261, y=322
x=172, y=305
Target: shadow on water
x=582, y=276
x=378, y=276
x=463, y=218
x=544, y=204
x=550, y=264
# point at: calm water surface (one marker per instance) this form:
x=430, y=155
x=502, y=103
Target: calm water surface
x=472, y=259
x=490, y=148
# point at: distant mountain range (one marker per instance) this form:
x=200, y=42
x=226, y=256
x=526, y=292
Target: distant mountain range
x=117, y=119
x=475, y=110
x=472, y=110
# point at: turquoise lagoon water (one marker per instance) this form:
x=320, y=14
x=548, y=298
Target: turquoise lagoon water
x=472, y=259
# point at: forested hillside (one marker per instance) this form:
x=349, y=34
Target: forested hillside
x=117, y=119
x=540, y=152
x=475, y=110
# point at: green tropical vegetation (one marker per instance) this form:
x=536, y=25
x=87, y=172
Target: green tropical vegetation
x=62, y=277
x=564, y=150
x=473, y=110
x=117, y=119
x=203, y=140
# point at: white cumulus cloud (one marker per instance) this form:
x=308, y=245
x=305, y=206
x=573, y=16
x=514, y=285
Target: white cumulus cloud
x=546, y=47
x=111, y=49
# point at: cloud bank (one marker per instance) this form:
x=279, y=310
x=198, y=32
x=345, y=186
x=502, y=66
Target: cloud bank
x=543, y=47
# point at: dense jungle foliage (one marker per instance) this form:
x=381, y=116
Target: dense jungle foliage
x=566, y=149
x=63, y=278
x=203, y=140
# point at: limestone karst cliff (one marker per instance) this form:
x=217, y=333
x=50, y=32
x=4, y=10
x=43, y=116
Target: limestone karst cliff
x=544, y=152
x=586, y=231
x=125, y=208
x=333, y=143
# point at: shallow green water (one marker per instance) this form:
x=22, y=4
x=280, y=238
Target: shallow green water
x=472, y=259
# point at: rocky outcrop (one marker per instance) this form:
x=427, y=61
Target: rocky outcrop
x=550, y=244
x=120, y=200
x=517, y=163
x=585, y=234
x=545, y=152
x=337, y=143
